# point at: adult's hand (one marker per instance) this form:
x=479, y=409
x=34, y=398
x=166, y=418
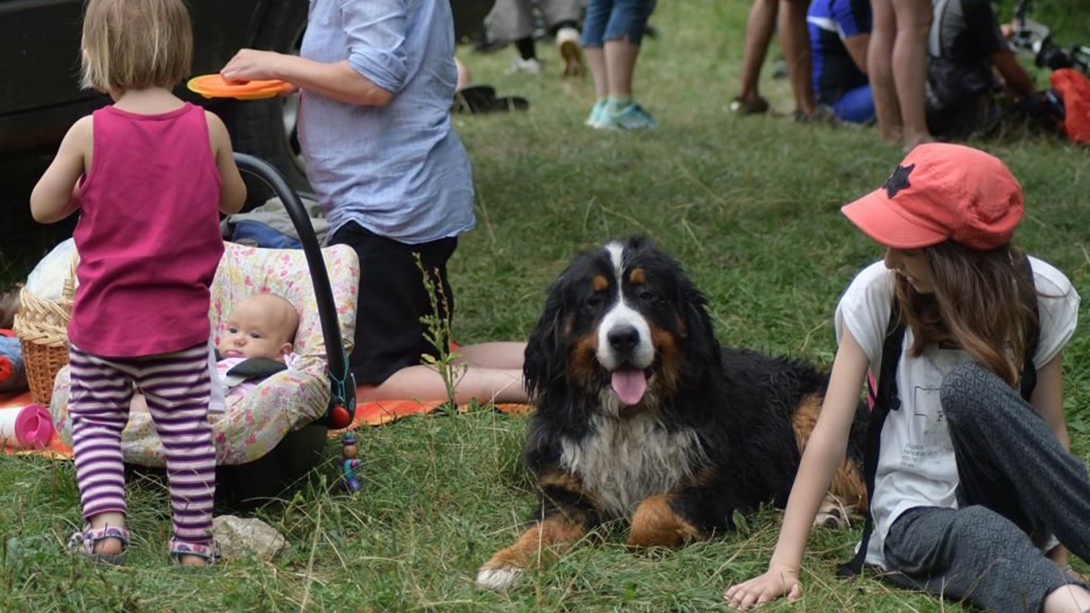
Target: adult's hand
x=773, y=584
x=253, y=65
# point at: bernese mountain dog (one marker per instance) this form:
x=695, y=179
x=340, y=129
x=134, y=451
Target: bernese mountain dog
x=640, y=415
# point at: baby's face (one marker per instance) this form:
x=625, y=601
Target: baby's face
x=257, y=328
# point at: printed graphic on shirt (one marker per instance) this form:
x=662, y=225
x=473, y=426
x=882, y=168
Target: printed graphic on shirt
x=934, y=445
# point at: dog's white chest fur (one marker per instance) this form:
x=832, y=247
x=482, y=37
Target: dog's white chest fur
x=623, y=461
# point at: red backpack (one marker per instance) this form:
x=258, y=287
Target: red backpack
x=1074, y=89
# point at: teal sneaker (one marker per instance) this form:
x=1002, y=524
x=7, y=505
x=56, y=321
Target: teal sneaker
x=597, y=114
x=628, y=116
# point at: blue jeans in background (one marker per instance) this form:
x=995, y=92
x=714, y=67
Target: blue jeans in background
x=616, y=20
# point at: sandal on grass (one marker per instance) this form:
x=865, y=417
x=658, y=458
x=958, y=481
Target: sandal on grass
x=741, y=106
x=83, y=543
x=210, y=553
x=478, y=99
x=473, y=99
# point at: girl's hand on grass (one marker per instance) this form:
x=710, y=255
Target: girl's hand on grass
x=776, y=582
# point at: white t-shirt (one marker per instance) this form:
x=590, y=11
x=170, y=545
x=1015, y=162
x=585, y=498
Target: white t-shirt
x=916, y=464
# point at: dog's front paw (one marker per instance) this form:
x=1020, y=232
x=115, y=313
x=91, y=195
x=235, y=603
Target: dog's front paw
x=833, y=514
x=497, y=578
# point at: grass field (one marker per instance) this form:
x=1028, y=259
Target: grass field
x=749, y=206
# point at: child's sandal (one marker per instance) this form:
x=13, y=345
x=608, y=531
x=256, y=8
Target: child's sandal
x=83, y=543
x=210, y=553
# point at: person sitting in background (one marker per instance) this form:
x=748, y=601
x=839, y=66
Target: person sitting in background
x=839, y=36
x=965, y=45
x=791, y=18
x=513, y=21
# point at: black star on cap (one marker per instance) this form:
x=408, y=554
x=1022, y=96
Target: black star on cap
x=899, y=179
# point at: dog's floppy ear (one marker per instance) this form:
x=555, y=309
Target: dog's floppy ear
x=545, y=359
x=701, y=347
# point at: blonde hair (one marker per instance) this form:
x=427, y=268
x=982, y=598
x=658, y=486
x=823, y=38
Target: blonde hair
x=135, y=44
x=981, y=303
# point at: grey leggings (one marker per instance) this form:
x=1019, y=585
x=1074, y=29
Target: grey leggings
x=1017, y=486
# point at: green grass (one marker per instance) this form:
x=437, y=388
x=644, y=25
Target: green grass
x=748, y=206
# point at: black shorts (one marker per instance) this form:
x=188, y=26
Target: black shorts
x=393, y=299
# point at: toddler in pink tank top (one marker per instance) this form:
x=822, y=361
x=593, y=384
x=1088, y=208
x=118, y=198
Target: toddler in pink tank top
x=148, y=176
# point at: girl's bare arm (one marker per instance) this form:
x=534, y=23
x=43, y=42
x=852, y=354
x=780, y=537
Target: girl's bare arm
x=56, y=194
x=824, y=453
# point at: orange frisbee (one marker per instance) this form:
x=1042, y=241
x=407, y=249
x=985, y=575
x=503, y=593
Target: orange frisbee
x=213, y=86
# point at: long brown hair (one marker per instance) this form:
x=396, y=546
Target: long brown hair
x=980, y=304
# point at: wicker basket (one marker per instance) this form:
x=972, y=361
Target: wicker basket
x=42, y=326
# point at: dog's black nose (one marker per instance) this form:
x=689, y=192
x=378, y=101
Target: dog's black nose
x=623, y=338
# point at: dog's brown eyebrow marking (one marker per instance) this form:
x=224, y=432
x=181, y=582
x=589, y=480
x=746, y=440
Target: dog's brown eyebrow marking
x=637, y=276
x=600, y=283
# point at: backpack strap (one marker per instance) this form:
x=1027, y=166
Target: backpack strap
x=886, y=400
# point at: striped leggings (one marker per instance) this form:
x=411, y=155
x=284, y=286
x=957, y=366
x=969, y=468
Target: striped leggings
x=177, y=388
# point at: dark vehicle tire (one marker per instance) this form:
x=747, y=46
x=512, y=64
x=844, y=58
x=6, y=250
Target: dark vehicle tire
x=267, y=128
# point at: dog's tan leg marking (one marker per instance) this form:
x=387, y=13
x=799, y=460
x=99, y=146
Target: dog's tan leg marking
x=848, y=485
x=655, y=524
x=544, y=541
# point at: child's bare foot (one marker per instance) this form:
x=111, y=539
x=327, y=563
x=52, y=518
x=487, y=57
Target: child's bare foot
x=192, y=560
x=109, y=545
x=104, y=539
x=192, y=554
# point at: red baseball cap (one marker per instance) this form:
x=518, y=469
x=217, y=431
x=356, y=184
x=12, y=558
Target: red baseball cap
x=942, y=192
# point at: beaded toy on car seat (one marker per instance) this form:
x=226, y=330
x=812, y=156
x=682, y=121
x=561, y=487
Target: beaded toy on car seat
x=349, y=462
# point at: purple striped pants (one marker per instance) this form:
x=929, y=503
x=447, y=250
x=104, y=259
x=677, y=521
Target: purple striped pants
x=177, y=388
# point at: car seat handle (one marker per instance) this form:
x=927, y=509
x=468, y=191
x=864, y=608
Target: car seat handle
x=342, y=405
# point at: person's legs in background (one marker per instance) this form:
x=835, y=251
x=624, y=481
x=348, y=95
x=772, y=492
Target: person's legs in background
x=623, y=35
x=512, y=21
x=880, y=70
x=562, y=16
x=909, y=60
x=795, y=41
x=594, y=30
x=897, y=67
x=390, y=337
x=759, y=27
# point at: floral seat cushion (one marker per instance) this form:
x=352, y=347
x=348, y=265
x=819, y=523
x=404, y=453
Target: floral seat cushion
x=254, y=424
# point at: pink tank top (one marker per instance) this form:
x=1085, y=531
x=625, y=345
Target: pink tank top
x=148, y=234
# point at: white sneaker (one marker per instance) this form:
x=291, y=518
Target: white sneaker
x=530, y=66
x=567, y=42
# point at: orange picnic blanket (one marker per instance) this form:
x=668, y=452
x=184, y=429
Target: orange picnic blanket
x=367, y=414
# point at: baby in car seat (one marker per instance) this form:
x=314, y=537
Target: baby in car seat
x=256, y=343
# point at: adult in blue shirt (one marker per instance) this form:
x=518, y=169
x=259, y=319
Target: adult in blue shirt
x=377, y=79
x=839, y=35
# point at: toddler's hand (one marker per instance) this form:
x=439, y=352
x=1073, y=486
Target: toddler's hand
x=776, y=582
x=251, y=65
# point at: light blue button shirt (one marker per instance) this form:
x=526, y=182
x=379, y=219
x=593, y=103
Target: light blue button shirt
x=400, y=170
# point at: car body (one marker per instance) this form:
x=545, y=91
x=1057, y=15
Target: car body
x=40, y=96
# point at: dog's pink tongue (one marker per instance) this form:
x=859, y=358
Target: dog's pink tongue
x=630, y=385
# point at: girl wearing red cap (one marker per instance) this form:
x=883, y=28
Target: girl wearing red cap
x=973, y=489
